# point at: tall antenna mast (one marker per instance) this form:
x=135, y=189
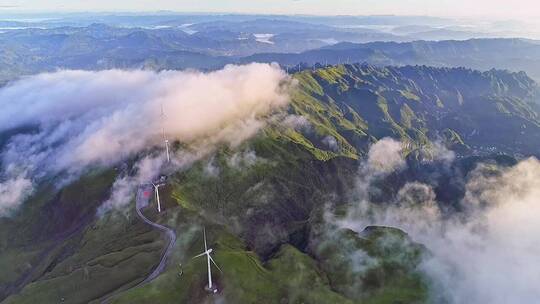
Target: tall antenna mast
x=163, y=134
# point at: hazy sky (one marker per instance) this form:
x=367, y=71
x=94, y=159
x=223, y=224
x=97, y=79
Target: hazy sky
x=487, y=8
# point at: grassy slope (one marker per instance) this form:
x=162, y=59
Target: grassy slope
x=266, y=207
x=100, y=256
x=290, y=276
x=108, y=255
x=31, y=239
x=378, y=266
x=357, y=104
x=281, y=275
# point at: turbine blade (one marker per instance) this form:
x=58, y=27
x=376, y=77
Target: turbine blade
x=199, y=255
x=215, y=263
x=204, y=235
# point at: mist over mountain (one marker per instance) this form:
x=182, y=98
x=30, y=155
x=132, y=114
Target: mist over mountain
x=480, y=54
x=281, y=193
x=315, y=159
x=211, y=42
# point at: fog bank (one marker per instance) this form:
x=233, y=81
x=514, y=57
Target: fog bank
x=82, y=119
x=486, y=254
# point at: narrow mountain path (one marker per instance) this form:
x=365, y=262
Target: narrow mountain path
x=142, y=200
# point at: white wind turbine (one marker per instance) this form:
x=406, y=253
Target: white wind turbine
x=163, y=134
x=209, y=259
x=167, y=149
x=156, y=191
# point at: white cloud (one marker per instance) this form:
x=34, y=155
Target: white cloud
x=125, y=187
x=331, y=143
x=100, y=118
x=492, y=256
x=242, y=159
x=437, y=151
x=385, y=156
x=296, y=122
x=489, y=254
x=12, y=192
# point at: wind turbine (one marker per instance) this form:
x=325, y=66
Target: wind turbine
x=156, y=191
x=167, y=148
x=209, y=259
x=163, y=134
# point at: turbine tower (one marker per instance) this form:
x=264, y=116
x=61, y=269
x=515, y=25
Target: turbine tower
x=156, y=191
x=163, y=134
x=209, y=259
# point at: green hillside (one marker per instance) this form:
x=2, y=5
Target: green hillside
x=263, y=204
x=470, y=111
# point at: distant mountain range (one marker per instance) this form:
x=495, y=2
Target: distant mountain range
x=269, y=204
x=211, y=45
x=480, y=54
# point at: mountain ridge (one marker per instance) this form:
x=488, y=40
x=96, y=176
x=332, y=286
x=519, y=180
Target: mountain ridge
x=266, y=218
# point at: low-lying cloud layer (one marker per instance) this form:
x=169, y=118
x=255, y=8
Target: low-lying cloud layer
x=12, y=192
x=486, y=254
x=84, y=118
x=385, y=156
x=492, y=255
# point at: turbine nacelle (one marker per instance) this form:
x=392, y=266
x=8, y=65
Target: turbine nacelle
x=207, y=252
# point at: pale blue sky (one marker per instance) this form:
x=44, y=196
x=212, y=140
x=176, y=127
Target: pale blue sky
x=457, y=8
